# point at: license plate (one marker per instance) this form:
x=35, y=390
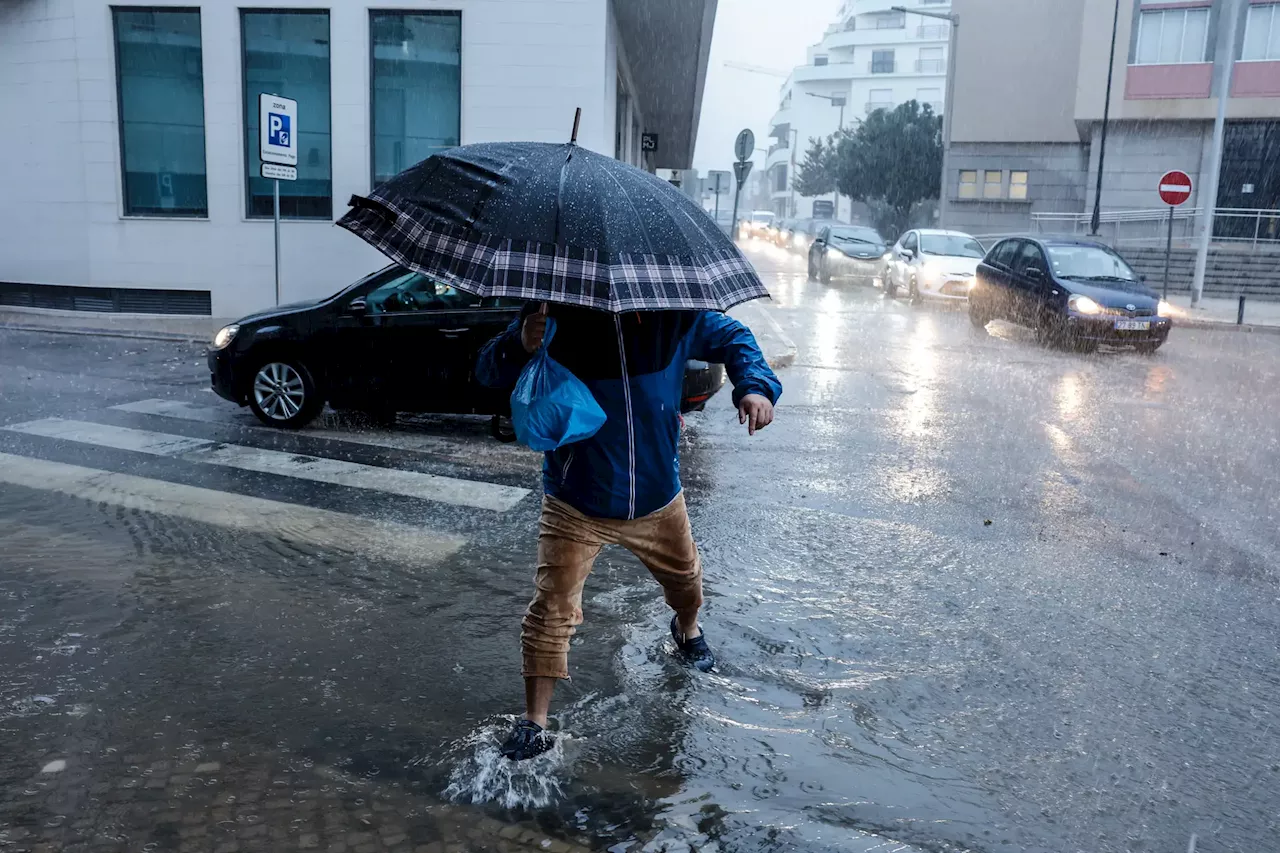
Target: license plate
x=1133, y=325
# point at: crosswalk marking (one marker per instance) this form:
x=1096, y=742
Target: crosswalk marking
x=433, y=487
x=182, y=410
x=319, y=527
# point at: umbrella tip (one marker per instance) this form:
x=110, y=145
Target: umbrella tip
x=577, y=116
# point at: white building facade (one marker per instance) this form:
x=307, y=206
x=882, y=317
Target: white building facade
x=872, y=57
x=129, y=156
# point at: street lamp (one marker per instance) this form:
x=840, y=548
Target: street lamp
x=947, y=105
x=836, y=101
x=1096, y=220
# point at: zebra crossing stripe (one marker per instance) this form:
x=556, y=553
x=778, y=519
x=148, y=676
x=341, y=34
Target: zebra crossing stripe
x=317, y=527
x=338, y=472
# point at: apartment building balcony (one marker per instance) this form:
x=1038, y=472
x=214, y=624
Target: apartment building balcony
x=931, y=66
x=933, y=32
x=882, y=66
x=830, y=71
x=779, y=152
x=872, y=106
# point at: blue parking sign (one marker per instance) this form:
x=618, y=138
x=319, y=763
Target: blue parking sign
x=279, y=126
x=278, y=129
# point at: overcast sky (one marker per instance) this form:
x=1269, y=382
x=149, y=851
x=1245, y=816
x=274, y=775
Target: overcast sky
x=767, y=33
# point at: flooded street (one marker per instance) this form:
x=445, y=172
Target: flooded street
x=967, y=594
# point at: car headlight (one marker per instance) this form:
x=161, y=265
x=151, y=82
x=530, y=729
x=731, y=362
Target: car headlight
x=971, y=283
x=1165, y=309
x=1082, y=304
x=225, y=336
x=930, y=272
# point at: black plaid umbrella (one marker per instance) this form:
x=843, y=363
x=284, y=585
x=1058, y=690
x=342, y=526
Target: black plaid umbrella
x=554, y=223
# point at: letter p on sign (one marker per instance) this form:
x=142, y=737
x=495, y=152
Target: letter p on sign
x=279, y=129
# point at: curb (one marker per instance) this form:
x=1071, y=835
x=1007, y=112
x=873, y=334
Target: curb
x=1226, y=327
x=168, y=337
x=779, y=349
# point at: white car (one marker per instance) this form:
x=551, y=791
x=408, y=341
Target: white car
x=927, y=262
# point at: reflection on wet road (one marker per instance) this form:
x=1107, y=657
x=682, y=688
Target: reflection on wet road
x=967, y=594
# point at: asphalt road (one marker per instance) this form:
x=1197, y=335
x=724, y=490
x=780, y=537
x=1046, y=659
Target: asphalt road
x=967, y=593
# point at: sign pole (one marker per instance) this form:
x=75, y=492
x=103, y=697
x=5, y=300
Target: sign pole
x=276, y=217
x=278, y=151
x=743, y=147
x=1174, y=188
x=1168, y=250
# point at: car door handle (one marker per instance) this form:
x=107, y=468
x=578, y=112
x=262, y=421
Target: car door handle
x=453, y=333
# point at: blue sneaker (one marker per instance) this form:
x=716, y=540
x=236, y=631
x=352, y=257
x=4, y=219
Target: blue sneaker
x=695, y=652
x=527, y=740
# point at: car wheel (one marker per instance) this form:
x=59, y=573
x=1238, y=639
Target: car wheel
x=1048, y=332
x=502, y=429
x=283, y=394
x=978, y=315
x=914, y=291
x=890, y=287
x=824, y=272
x=813, y=276
x=1148, y=349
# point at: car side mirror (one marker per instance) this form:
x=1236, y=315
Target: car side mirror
x=357, y=307
x=909, y=254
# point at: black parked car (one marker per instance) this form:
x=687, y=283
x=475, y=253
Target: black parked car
x=1071, y=291
x=852, y=251
x=395, y=341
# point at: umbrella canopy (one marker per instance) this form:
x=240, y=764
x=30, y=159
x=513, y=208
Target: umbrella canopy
x=554, y=223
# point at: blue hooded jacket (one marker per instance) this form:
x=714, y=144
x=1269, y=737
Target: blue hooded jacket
x=634, y=365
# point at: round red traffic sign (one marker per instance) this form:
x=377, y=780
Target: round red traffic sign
x=1175, y=187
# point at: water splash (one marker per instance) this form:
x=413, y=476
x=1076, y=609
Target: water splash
x=481, y=774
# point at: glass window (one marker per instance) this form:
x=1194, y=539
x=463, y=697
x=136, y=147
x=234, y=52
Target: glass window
x=882, y=62
x=161, y=101
x=287, y=54
x=411, y=291
x=820, y=60
x=931, y=61
x=1004, y=253
x=968, y=183
x=1029, y=256
x=909, y=241
x=1170, y=36
x=1262, y=33
x=620, y=122
x=992, y=183
x=416, y=87
x=1017, y=185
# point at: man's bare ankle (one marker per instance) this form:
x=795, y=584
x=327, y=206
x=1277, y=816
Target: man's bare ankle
x=541, y=720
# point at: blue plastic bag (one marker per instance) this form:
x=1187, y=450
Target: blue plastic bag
x=550, y=407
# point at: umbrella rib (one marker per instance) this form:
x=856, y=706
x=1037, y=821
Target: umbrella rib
x=640, y=219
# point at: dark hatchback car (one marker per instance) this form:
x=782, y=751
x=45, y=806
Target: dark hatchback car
x=1071, y=291
x=847, y=251
x=396, y=341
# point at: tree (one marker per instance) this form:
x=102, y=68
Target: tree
x=892, y=161
x=816, y=174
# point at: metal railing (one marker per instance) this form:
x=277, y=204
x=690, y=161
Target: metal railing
x=872, y=106
x=778, y=146
x=931, y=66
x=880, y=66
x=935, y=32
x=1246, y=226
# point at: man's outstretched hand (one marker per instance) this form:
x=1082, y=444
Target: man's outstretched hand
x=755, y=411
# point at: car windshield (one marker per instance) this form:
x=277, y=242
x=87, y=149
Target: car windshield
x=954, y=245
x=763, y=218
x=1089, y=263
x=855, y=235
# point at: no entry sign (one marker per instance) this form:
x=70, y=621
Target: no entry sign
x=1175, y=187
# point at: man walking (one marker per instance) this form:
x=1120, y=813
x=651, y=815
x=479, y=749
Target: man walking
x=621, y=486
